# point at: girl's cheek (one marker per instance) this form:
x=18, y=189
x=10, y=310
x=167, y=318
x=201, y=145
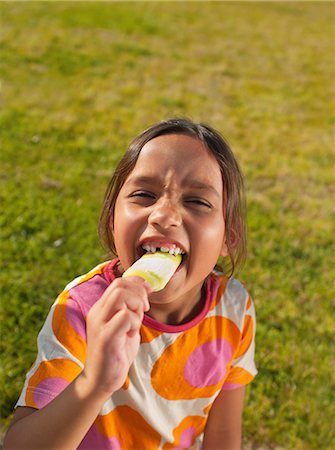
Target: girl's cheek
x=132, y=212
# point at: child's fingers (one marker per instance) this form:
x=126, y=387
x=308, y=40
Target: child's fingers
x=130, y=295
x=141, y=282
x=123, y=322
x=131, y=283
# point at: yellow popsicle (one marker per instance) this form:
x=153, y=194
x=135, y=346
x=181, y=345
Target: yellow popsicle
x=155, y=268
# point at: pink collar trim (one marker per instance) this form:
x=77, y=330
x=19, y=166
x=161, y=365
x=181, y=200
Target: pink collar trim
x=212, y=287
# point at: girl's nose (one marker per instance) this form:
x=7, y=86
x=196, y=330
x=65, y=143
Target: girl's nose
x=165, y=214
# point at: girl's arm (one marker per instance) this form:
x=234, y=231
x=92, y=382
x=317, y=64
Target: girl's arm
x=224, y=425
x=62, y=424
x=113, y=339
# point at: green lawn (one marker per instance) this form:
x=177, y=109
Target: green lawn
x=79, y=80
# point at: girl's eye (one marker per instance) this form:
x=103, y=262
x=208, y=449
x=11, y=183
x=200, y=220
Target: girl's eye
x=142, y=195
x=198, y=202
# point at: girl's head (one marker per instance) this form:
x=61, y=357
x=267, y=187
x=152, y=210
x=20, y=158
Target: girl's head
x=232, y=184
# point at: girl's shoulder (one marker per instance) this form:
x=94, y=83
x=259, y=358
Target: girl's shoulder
x=88, y=288
x=232, y=300
x=229, y=288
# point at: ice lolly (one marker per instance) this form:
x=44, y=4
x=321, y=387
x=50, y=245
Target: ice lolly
x=155, y=268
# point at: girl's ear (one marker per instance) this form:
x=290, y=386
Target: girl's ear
x=224, y=249
x=233, y=240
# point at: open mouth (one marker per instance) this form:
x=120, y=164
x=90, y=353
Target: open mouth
x=172, y=249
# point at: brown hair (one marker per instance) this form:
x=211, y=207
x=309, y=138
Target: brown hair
x=234, y=207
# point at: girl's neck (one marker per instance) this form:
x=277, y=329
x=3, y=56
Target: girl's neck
x=179, y=312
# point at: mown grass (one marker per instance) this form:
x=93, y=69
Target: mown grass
x=81, y=79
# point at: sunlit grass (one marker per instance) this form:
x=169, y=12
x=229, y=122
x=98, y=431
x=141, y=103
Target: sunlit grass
x=81, y=79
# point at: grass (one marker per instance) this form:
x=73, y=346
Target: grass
x=81, y=79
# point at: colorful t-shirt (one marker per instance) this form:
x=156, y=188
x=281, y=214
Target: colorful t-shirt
x=177, y=373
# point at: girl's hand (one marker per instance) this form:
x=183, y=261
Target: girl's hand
x=113, y=337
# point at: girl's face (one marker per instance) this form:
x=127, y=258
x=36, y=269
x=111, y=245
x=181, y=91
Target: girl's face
x=173, y=197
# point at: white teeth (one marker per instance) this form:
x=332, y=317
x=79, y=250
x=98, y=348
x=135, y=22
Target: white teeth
x=149, y=248
x=173, y=250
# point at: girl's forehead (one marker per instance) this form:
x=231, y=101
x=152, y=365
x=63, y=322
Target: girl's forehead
x=184, y=158
x=178, y=149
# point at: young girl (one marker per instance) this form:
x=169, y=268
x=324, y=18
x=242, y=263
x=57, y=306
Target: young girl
x=122, y=367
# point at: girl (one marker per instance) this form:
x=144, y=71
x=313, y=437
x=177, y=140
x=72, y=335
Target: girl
x=122, y=367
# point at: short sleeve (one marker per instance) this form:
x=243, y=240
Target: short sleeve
x=61, y=353
x=243, y=368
